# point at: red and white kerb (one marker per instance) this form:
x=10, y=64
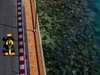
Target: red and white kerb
x=20, y=39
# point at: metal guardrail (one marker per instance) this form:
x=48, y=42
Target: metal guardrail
x=35, y=52
x=39, y=50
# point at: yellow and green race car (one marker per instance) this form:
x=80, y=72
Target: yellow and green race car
x=8, y=45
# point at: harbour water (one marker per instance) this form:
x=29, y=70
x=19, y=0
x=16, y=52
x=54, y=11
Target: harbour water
x=97, y=20
x=96, y=10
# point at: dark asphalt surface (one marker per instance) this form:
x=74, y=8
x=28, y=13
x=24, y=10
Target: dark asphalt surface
x=8, y=23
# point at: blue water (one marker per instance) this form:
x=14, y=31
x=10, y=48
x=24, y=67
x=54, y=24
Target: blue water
x=95, y=7
x=97, y=20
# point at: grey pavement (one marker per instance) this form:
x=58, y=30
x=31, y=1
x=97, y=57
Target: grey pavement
x=8, y=23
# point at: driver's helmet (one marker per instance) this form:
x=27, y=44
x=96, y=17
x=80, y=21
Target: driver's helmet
x=9, y=35
x=9, y=40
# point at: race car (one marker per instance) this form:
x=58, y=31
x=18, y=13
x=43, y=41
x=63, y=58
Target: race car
x=8, y=45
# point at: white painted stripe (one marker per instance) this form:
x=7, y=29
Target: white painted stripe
x=21, y=50
x=20, y=18
x=19, y=3
x=21, y=58
x=21, y=43
x=20, y=24
x=20, y=36
x=20, y=29
x=19, y=8
x=19, y=13
x=22, y=74
x=22, y=67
